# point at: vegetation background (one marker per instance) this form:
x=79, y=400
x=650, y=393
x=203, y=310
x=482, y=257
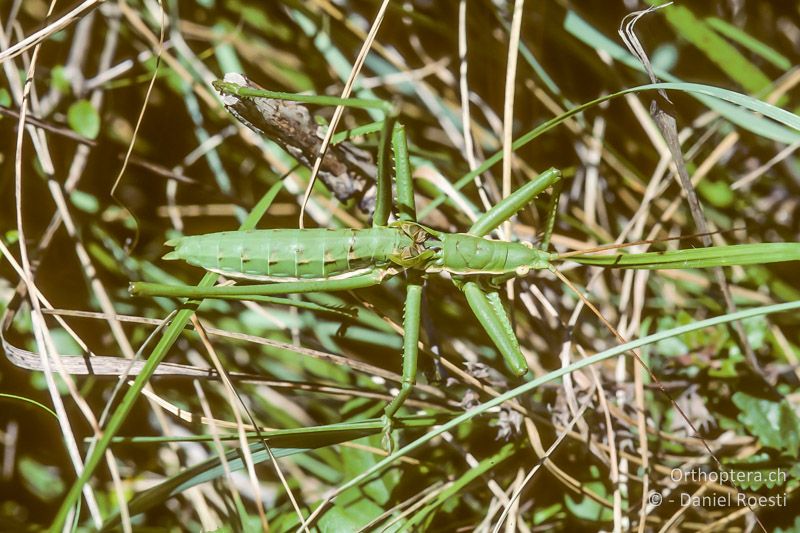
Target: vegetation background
x=194, y=169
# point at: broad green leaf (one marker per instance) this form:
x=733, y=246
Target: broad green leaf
x=42, y=480
x=64, y=342
x=357, y=506
x=59, y=79
x=756, y=472
x=774, y=423
x=727, y=367
x=794, y=528
x=717, y=193
x=586, y=508
x=664, y=57
x=84, y=201
x=83, y=118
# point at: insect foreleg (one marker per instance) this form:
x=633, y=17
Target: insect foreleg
x=383, y=202
x=406, y=208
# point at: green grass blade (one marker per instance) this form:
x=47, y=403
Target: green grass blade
x=718, y=51
x=283, y=443
x=551, y=376
x=738, y=254
x=171, y=335
x=751, y=43
x=776, y=114
x=589, y=35
x=459, y=484
x=30, y=401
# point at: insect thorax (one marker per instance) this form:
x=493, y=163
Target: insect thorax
x=467, y=254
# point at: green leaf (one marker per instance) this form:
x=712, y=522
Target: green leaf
x=586, y=508
x=717, y=193
x=357, y=506
x=59, y=79
x=5, y=97
x=84, y=119
x=84, y=201
x=756, y=472
x=727, y=367
x=774, y=423
x=543, y=514
x=794, y=528
x=42, y=480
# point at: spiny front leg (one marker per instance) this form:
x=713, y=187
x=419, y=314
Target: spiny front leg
x=411, y=320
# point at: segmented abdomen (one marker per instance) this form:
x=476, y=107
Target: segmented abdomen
x=291, y=253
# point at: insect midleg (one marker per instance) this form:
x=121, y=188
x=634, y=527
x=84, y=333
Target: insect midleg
x=506, y=208
x=411, y=325
x=487, y=305
x=488, y=309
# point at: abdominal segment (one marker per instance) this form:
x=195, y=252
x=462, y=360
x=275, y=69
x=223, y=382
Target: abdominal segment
x=284, y=254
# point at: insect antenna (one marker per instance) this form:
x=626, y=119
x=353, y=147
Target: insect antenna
x=644, y=241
